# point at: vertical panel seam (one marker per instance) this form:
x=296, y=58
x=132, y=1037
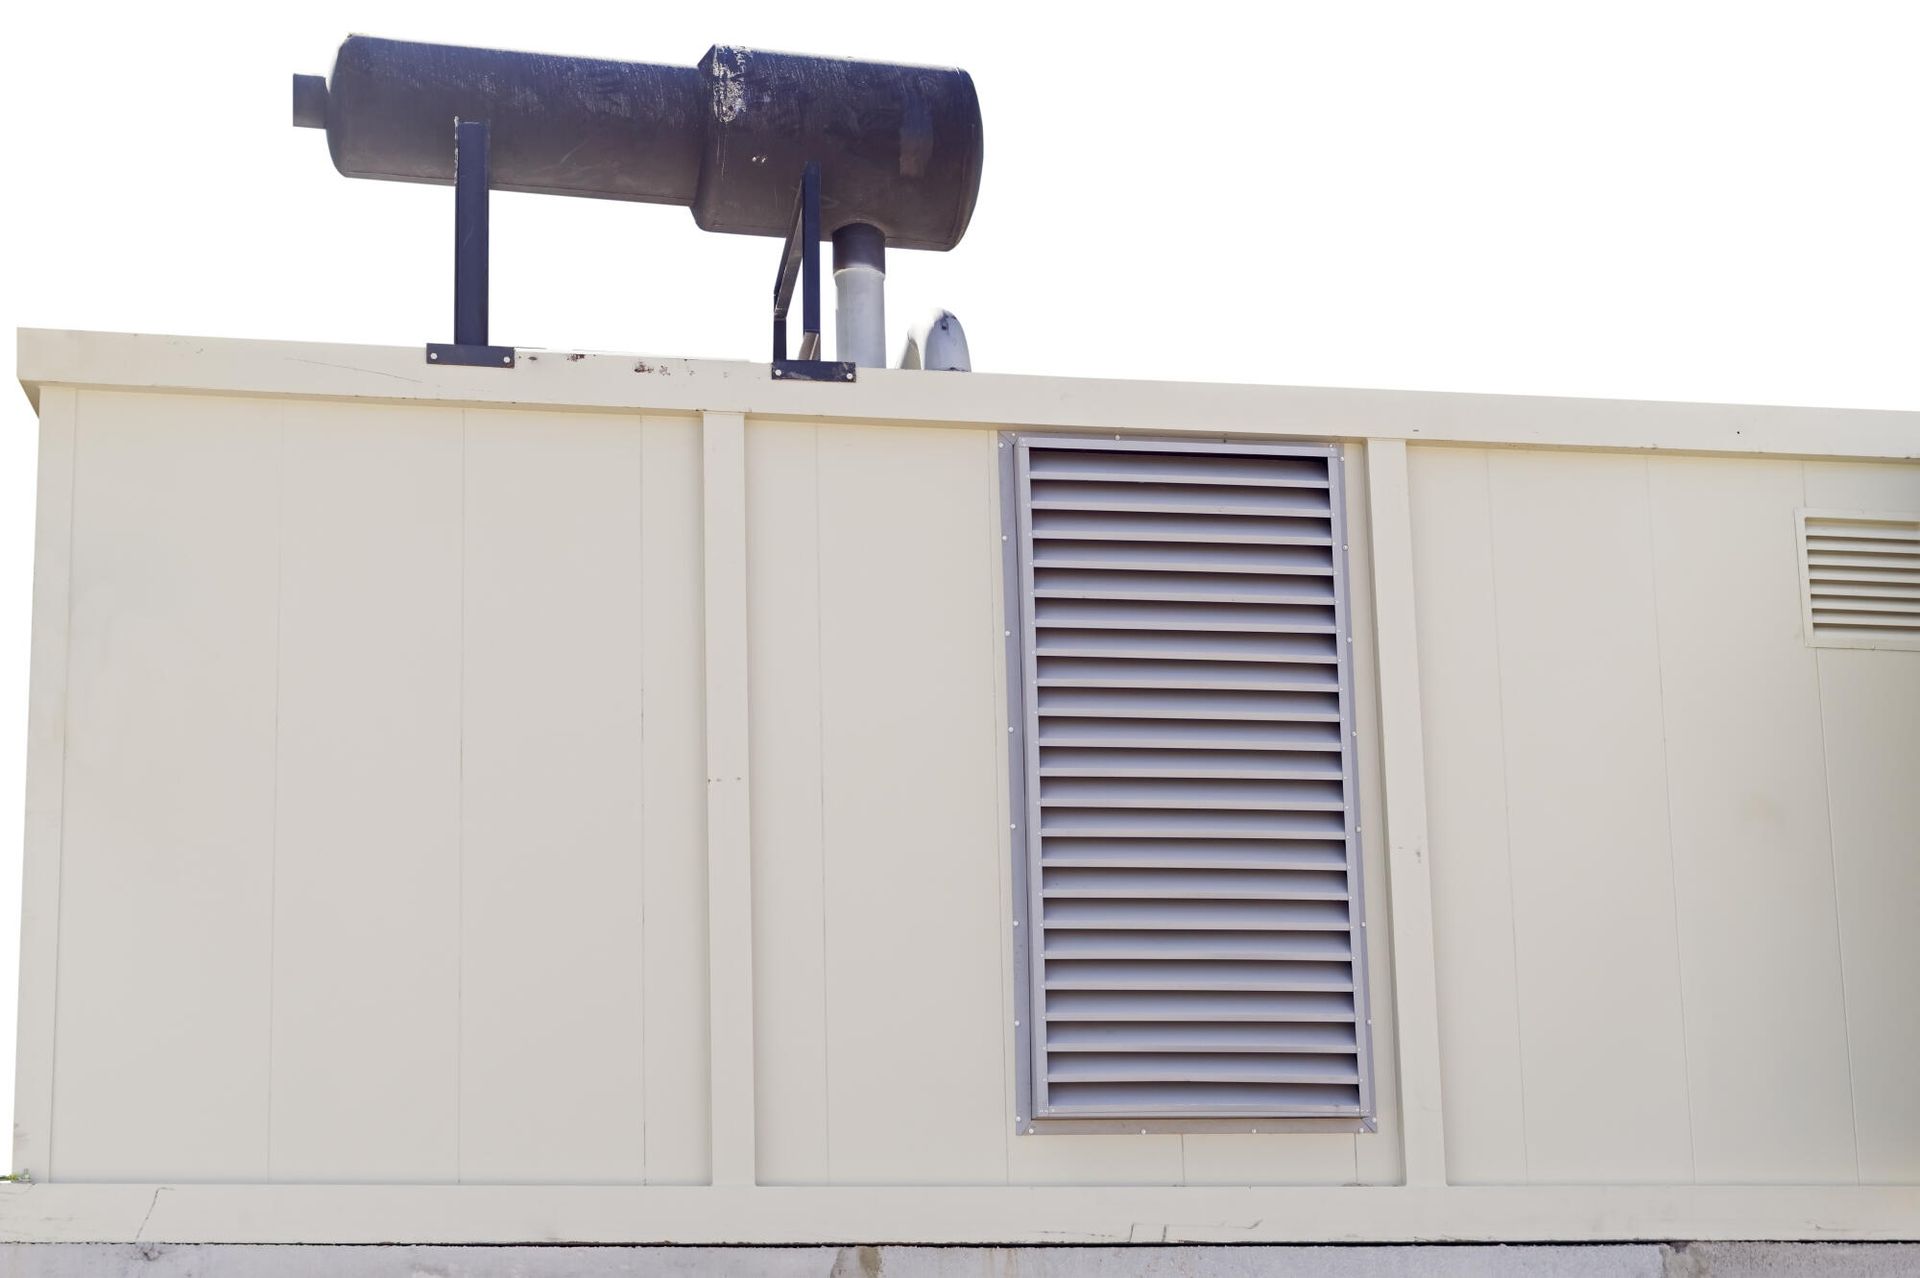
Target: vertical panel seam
x=66, y=704
x=820, y=793
x=460, y=841
x=1402, y=750
x=1833, y=848
x=732, y=1122
x=640, y=658
x=1506, y=790
x=1666, y=789
x=273, y=849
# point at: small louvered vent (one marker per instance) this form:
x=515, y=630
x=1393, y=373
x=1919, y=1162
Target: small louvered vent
x=1860, y=575
x=1188, y=867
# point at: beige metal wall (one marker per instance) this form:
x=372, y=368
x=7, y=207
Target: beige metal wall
x=1676, y=850
x=385, y=825
x=383, y=852
x=465, y=807
x=385, y=810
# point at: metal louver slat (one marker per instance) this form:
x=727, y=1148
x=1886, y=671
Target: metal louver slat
x=1124, y=672
x=1180, y=974
x=1902, y=560
x=1190, y=703
x=1175, y=645
x=1203, y=1036
x=1186, y=849
x=1180, y=587
x=1860, y=579
x=1177, y=529
x=1070, y=494
x=1067, y=761
x=1191, y=792
x=1160, y=555
x=1143, y=1010
x=1189, y=914
x=1210, y=1067
x=1215, y=824
x=1198, y=945
x=1834, y=588
x=1219, y=854
x=1183, y=614
x=1205, y=1098
x=1166, y=734
x=1173, y=467
x=1187, y=883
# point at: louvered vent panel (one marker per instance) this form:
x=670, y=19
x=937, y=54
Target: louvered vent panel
x=1190, y=879
x=1860, y=577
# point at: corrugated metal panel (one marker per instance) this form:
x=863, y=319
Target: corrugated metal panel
x=1860, y=578
x=1187, y=861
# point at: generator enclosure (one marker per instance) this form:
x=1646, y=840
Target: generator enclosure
x=589, y=802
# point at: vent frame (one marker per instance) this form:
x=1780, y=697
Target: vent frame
x=1033, y=1115
x=1814, y=531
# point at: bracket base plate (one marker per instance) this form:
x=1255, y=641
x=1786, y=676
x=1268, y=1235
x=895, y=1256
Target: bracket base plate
x=812, y=370
x=470, y=356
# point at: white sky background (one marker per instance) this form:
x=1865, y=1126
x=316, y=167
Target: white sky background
x=1681, y=200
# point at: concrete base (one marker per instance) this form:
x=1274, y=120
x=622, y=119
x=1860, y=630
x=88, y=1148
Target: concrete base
x=1635, y=1260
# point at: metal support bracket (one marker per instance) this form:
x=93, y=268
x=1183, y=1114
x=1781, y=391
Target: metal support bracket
x=471, y=187
x=800, y=263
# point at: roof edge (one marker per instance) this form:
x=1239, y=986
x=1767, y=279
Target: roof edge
x=624, y=383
